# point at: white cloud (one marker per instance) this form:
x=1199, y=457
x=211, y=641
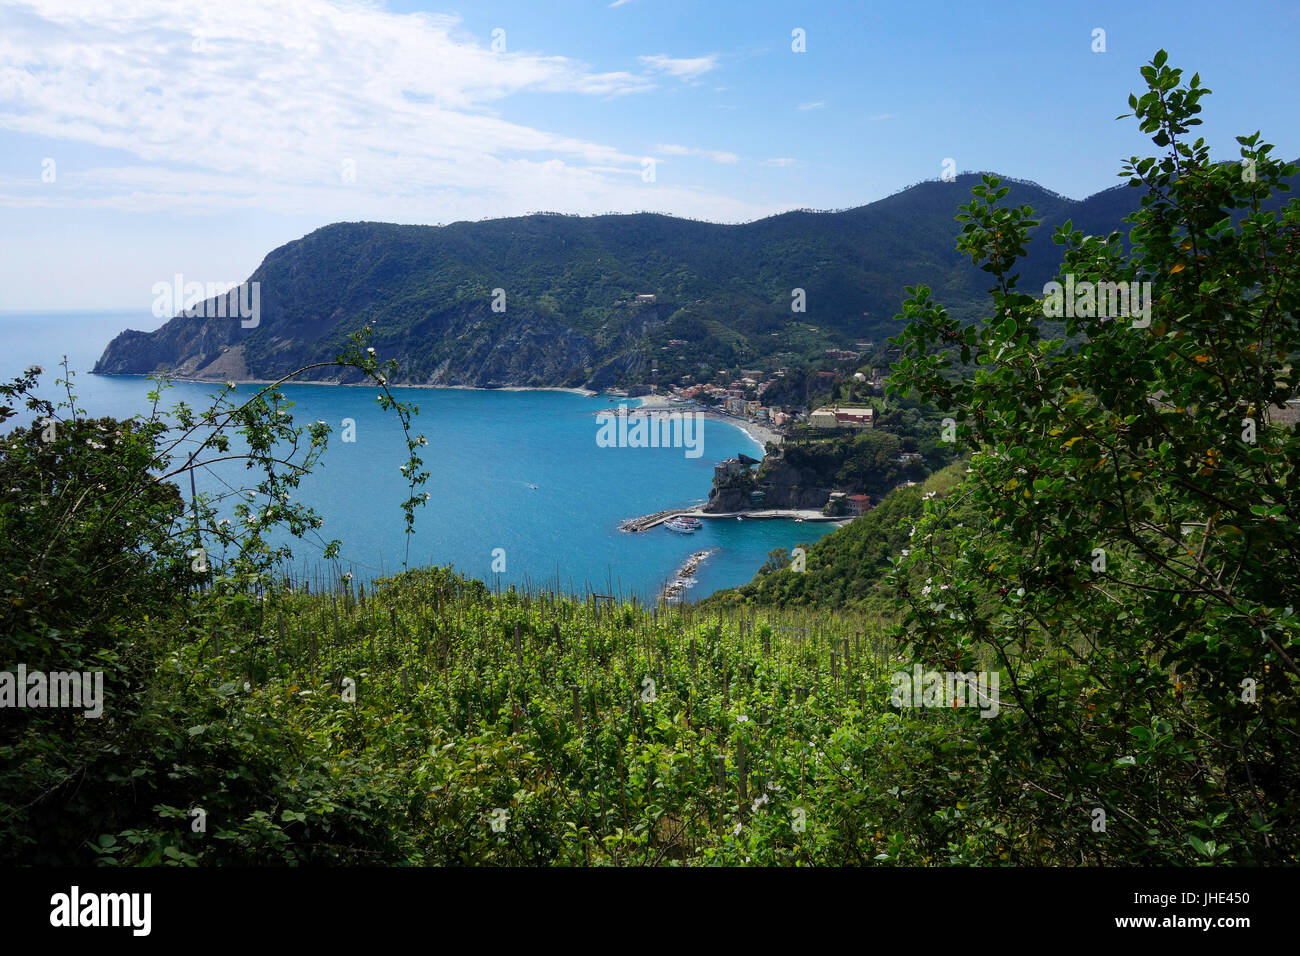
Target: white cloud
x=247, y=105
x=717, y=156
x=681, y=67
x=782, y=161
x=820, y=104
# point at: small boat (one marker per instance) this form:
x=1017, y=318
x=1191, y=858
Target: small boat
x=681, y=525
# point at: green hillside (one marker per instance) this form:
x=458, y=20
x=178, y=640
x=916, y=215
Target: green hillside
x=570, y=283
x=847, y=568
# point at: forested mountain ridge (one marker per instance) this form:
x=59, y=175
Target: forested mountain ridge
x=570, y=283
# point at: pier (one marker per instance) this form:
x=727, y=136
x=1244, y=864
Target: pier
x=646, y=522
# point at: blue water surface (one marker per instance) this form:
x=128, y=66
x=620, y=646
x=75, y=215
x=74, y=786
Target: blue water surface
x=487, y=449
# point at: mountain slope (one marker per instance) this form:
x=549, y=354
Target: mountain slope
x=570, y=285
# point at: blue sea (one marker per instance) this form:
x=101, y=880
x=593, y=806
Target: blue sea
x=487, y=449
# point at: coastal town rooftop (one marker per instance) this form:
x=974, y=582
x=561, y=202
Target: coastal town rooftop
x=835, y=416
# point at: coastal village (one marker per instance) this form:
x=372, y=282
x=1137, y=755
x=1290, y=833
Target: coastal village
x=807, y=473
x=740, y=399
x=743, y=396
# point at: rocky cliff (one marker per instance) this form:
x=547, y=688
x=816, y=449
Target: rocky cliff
x=783, y=486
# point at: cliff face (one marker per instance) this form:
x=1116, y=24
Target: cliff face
x=789, y=487
x=783, y=487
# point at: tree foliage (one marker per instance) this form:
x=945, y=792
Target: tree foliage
x=1131, y=566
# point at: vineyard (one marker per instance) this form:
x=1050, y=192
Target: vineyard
x=428, y=721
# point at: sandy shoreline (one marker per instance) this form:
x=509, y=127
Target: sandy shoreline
x=762, y=434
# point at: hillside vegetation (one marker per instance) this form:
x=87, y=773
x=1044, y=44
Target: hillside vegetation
x=847, y=568
x=569, y=283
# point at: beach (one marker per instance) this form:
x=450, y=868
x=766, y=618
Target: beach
x=759, y=432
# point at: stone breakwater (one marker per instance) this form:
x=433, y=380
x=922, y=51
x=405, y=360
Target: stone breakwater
x=646, y=522
x=685, y=577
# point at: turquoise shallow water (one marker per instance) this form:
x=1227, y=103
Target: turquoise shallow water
x=486, y=449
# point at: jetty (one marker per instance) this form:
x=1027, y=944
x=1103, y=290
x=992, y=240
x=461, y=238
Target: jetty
x=685, y=578
x=646, y=522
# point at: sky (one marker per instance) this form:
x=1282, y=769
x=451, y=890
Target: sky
x=140, y=139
